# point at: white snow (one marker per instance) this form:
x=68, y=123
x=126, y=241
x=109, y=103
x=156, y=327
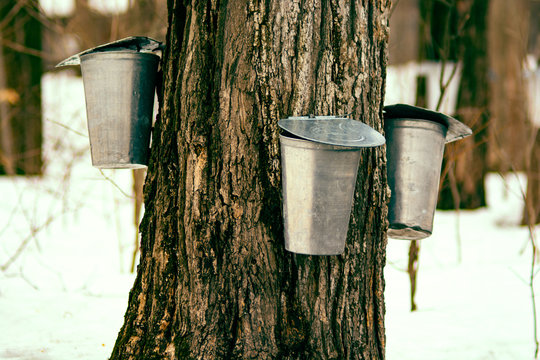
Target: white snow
x=65, y=295
x=110, y=6
x=57, y=7
x=476, y=308
x=401, y=84
x=67, y=7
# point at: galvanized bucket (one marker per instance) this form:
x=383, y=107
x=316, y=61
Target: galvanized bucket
x=119, y=83
x=319, y=178
x=119, y=88
x=415, y=145
x=318, y=188
x=414, y=152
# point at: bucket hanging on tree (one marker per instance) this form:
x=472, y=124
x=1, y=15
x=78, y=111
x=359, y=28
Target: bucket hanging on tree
x=319, y=161
x=119, y=83
x=415, y=140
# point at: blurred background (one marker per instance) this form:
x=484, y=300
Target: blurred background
x=68, y=231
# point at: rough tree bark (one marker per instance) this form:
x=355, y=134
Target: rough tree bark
x=214, y=281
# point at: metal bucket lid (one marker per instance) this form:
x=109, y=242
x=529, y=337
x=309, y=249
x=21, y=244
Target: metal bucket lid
x=332, y=130
x=456, y=129
x=133, y=43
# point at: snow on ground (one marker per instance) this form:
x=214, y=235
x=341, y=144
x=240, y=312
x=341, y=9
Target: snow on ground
x=65, y=295
x=476, y=308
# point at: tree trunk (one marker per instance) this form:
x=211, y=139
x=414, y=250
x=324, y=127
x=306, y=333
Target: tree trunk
x=467, y=159
x=438, y=31
x=20, y=88
x=531, y=211
x=509, y=127
x=533, y=45
x=403, y=43
x=214, y=281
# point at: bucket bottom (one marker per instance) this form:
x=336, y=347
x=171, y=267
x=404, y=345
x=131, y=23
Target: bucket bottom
x=404, y=232
x=120, y=166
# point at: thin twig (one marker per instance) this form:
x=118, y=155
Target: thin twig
x=531, y=219
x=533, y=298
x=115, y=184
x=457, y=204
x=67, y=127
x=26, y=50
x=395, y=4
x=21, y=273
x=444, y=85
x=412, y=269
x=33, y=232
x=32, y=227
x=11, y=216
x=11, y=14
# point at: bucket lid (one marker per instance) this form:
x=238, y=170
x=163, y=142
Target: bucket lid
x=332, y=130
x=132, y=43
x=456, y=129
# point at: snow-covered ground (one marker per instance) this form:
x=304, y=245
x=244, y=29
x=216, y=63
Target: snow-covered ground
x=478, y=308
x=64, y=294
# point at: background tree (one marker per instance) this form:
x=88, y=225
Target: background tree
x=510, y=131
x=20, y=88
x=531, y=213
x=466, y=161
x=214, y=279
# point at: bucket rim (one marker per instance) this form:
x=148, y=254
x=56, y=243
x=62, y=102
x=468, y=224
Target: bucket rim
x=332, y=130
x=456, y=129
x=295, y=141
x=120, y=165
x=134, y=44
x=421, y=123
x=119, y=54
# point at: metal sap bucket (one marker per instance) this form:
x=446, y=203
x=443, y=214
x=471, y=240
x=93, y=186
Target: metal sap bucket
x=319, y=161
x=415, y=147
x=119, y=84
